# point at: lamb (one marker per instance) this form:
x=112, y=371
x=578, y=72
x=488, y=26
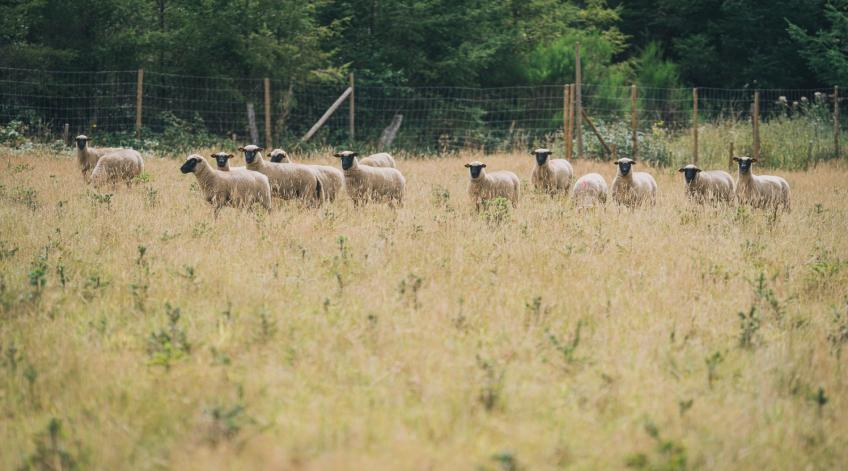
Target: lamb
x=365, y=183
x=632, y=188
x=589, y=190
x=88, y=156
x=237, y=189
x=716, y=185
x=288, y=181
x=760, y=191
x=222, y=159
x=332, y=178
x=483, y=186
x=551, y=176
x=379, y=160
x=121, y=165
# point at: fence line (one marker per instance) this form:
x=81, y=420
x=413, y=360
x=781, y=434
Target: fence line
x=434, y=118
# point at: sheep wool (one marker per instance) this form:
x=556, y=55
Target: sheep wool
x=120, y=166
x=590, y=190
x=552, y=176
x=760, y=191
x=713, y=186
x=234, y=189
x=365, y=183
x=288, y=181
x=332, y=179
x=88, y=156
x=382, y=159
x=632, y=188
x=484, y=186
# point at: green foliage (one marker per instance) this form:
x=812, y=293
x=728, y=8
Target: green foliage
x=667, y=455
x=52, y=453
x=169, y=344
x=497, y=210
x=825, y=50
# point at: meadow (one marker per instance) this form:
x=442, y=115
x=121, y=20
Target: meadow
x=138, y=331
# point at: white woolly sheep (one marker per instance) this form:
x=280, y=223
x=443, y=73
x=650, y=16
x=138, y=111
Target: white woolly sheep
x=88, y=156
x=365, y=183
x=632, y=188
x=382, y=159
x=120, y=166
x=288, y=181
x=551, y=176
x=237, y=189
x=714, y=185
x=760, y=191
x=332, y=178
x=487, y=186
x=589, y=190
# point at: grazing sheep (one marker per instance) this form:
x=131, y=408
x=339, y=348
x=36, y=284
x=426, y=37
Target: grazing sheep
x=333, y=178
x=589, y=190
x=487, y=186
x=288, y=181
x=88, y=156
x=379, y=160
x=237, y=189
x=365, y=183
x=715, y=185
x=760, y=191
x=551, y=176
x=632, y=188
x=121, y=165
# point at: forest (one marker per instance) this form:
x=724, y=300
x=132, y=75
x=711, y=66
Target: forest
x=469, y=43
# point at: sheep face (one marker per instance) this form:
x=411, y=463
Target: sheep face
x=542, y=156
x=476, y=168
x=624, y=166
x=278, y=156
x=745, y=163
x=221, y=158
x=690, y=172
x=82, y=141
x=190, y=164
x=250, y=152
x=348, y=159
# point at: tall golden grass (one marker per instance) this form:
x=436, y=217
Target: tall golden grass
x=427, y=337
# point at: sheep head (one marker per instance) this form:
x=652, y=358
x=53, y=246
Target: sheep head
x=624, y=165
x=745, y=163
x=542, y=155
x=476, y=168
x=221, y=158
x=690, y=172
x=348, y=158
x=251, y=152
x=82, y=141
x=190, y=165
x=279, y=156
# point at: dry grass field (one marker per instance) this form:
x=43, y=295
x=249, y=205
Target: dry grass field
x=139, y=332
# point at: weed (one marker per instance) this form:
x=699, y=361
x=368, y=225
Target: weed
x=492, y=384
x=497, y=211
x=712, y=362
x=749, y=325
x=51, y=452
x=169, y=344
x=151, y=197
x=567, y=349
x=408, y=289
x=667, y=455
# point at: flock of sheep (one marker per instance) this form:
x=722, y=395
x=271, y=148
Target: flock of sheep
x=376, y=178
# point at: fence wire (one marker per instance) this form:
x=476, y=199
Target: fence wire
x=435, y=119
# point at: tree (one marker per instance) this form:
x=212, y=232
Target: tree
x=826, y=51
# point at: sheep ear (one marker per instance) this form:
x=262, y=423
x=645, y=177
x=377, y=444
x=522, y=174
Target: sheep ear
x=337, y=155
x=615, y=162
x=681, y=170
x=484, y=165
x=241, y=149
x=697, y=170
x=230, y=156
x=260, y=149
x=736, y=159
x=354, y=154
x=755, y=160
x=467, y=165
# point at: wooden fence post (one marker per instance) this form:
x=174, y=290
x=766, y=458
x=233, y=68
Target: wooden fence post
x=730, y=158
x=352, y=110
x=323, y=119
x=139, y=92
x=756, y=123
x=836, y=127
x=66, y=134
x=251, y=124
x=578, y=92
x=268, y=143
x=634, y=122
x=695, y=124
x=566, y=121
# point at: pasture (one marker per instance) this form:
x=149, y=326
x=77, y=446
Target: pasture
x=138, y=331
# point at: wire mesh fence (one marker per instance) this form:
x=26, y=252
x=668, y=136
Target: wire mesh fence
x=434, y=119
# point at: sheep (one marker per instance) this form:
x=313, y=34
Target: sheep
x=760, y=191
x=632, y=188
x=88, y=156
x=237, y=189
x=487, y=186
x=333, y=178
x=715, y=185
x=551, y=176
x=288, y=181
x=366, y=183
x=379, y=160
x=121, y=165
x=590, y=189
